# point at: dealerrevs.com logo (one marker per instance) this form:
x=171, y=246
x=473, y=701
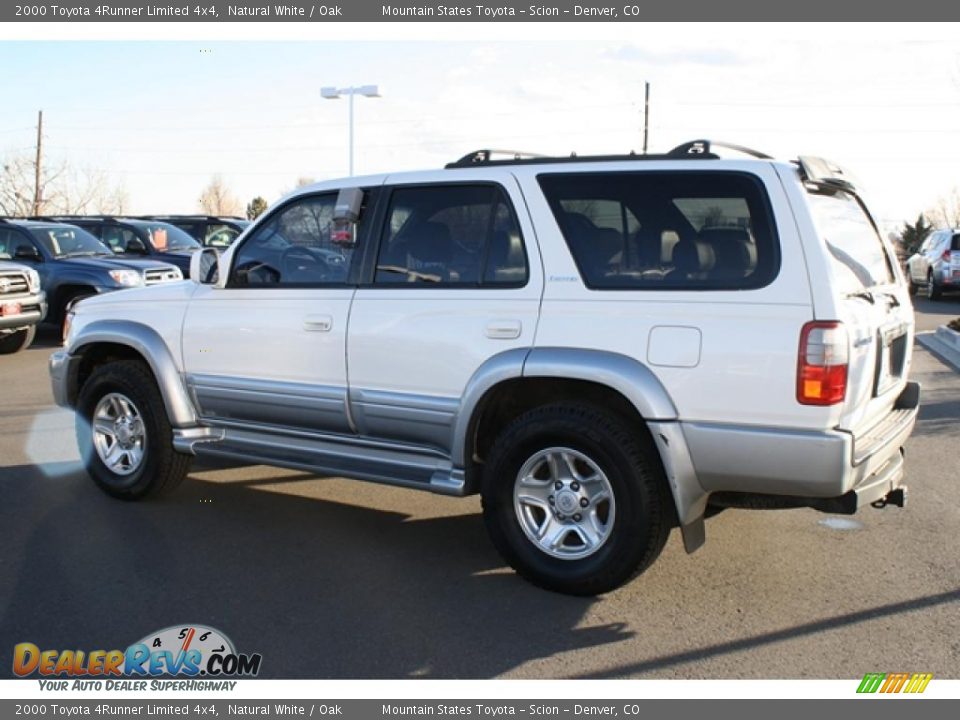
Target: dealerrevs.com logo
x=190, y=651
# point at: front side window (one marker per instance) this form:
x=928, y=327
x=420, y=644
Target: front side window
x=296, y=246
x=122, y=240
x=220, y=235
x=665, y=230
x=7, y=242
x=451, y=235
x=857, y=255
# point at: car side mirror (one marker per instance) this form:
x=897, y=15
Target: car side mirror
x=205, y=266
x=28, y=253
x=346, y=214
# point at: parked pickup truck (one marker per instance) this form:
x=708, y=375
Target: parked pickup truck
x=22, y=305
x=604, y=348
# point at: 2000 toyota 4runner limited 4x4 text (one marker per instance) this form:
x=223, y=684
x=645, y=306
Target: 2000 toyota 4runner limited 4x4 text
x=602, y=347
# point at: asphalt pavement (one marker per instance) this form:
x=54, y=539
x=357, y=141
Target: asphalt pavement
x=331, y=578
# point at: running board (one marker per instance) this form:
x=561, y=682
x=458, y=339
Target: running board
x=405, y=467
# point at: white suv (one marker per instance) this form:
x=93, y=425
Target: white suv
x=600, y=346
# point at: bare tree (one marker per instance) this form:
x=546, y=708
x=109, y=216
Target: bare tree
x=62, y=189
x=945, y=212
x=217, y=199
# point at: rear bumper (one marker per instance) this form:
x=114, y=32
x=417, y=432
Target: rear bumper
x=833, y=464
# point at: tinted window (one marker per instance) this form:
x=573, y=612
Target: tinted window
x=858, y=257
x=296, y=246
x=8, y=243
x=459, y=235
x=955, y=244
x=122, y=239
x=219, y=235
x=669, y=231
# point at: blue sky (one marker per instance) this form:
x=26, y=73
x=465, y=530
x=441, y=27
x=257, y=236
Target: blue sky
x=162, y=117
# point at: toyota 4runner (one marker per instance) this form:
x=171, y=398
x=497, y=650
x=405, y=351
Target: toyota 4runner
x=603, y=347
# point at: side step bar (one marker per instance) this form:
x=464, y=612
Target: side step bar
x=402, y=466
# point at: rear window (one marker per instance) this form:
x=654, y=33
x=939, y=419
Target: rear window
x=955, y=243
x=858, y=257
x=665, y=230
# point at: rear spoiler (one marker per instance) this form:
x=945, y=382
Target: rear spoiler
x=826, y=174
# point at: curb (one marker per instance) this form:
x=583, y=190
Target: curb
x=944, y=344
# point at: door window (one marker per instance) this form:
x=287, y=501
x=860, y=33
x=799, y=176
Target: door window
x=451, y=235
x=297, y=246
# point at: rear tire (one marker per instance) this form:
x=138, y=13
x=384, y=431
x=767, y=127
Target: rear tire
x=17, y=341
x=555, y=464
x=123, y=433
x=933, y=290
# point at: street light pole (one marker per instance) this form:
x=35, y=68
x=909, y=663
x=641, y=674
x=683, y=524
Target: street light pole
x=332, y=93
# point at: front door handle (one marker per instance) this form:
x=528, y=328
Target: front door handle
x=318, y=323
x=504, y=329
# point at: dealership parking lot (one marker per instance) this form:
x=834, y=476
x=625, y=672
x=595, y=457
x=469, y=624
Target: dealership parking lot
x=331, y=578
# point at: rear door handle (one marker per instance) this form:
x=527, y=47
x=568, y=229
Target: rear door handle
x=318, y=323
x=504, y=329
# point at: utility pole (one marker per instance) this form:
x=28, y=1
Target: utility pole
x=646, y=115
x=37, y=188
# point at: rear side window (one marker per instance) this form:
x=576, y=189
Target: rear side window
x=858, y=257
x=451, y=235
x=665, y=230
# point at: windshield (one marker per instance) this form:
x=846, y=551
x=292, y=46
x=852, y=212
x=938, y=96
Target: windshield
x=859, y=259
x=68, y=241
x=164, y=237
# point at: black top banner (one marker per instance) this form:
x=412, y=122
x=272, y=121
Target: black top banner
x=493, y=11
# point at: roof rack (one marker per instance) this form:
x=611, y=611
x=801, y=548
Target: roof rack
x=188, y=216
x=485, y=157
x=701, y=148
x=693, y=150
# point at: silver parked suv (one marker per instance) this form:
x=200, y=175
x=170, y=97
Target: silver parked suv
x=602, y=347
x=935, y=267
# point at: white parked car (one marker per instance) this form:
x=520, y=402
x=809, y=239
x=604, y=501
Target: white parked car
x=935, y=267
x=602, y=347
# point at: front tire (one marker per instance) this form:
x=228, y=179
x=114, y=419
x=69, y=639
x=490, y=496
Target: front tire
x=574, y=500
x=123, y=433
x=17, y=341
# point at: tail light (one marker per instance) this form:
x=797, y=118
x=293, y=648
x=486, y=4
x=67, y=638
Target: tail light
x=946, y=255
x=822, y=363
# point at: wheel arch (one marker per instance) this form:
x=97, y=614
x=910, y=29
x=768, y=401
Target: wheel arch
x=105, y=340
x=517, y=380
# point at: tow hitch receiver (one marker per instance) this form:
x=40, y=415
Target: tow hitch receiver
x=896, y=497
